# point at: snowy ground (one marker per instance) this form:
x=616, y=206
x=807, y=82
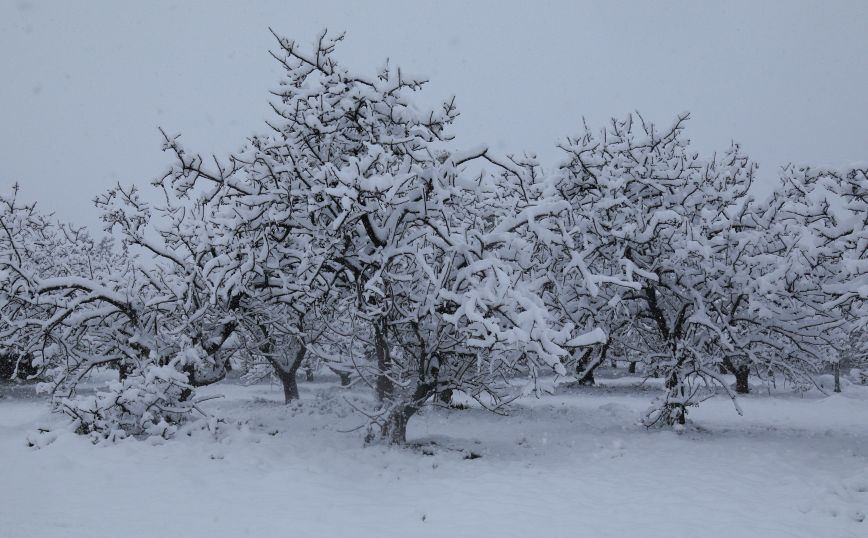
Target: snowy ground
x=571, y=464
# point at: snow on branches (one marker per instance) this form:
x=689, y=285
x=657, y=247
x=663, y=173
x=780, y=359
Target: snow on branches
x=354, y=233
x=701, y=258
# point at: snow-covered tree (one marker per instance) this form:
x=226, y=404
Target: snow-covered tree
x=354, y=213
x=98, y=306
x=829, y=208
x=704, y=263
x=354, y=233
x=24, y=245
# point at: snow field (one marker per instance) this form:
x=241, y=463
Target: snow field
x=572, y=464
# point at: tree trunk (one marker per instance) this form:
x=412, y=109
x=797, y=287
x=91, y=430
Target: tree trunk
x=586, y=377
x=631, y=369
x=677, y=412
x=290, y=384
x=384, y=362
x=588, y=367
x=287, y=375
x=308, y=374
x=742, y=373
x=343, y=375
x=838, y=376
x=394, y=430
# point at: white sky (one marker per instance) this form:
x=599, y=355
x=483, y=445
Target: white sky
x=84, y=85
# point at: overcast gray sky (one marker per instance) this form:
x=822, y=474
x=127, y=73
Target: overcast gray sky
x=85, y=84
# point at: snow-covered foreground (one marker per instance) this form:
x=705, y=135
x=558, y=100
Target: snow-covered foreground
x=571, y=464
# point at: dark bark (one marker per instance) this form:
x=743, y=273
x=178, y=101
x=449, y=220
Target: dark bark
x=742, y=373
x=631, y=369
x=20, y=366
x=290, y=385
x=582, y=363
x=672, y=382
x=656, y=312
x=123, y=371
x=588, y=377
x=838, y=376
x=287, y=375
x=587, y=372
x=394, y=430
x=384, y=385
x=678, y=409
x=343, y=375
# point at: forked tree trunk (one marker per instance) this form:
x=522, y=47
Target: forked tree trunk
x=585, y=368
x=343, y=375
x=394, y=430
x=741, y=373
x=287, y=374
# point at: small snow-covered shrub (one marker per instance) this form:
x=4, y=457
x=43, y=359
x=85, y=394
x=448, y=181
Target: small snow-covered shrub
x=149, y=402
x=669, y=409
x=859, y=376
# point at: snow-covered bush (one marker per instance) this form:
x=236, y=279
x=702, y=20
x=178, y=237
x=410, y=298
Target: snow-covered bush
x=859, y=376
x=148, y=402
